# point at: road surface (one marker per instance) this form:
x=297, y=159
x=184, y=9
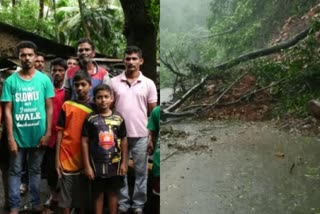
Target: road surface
x=238, y=167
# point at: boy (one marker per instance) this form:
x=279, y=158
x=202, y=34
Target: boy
x=154, y=148
x=104, y=142
x=68, y=149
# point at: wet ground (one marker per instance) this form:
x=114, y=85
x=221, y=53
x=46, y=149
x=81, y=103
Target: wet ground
x=165, y=94
x=238, y=167
x=24, y=198
x=149, y=206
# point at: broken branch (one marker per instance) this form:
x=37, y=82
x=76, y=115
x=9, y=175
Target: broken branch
x=186, y=95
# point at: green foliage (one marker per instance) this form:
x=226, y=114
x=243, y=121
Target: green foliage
x=253, y=23
x=237, y=27
x=154, y=12
x=166, y=78
x=25, y=16
x=299, y=67
x=63, y=23
x=106, y=21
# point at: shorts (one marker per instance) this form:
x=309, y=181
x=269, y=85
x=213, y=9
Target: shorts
x=51, y=172
x=112, y=184
x=4, y=151
x=70, y=190
x=156, y=186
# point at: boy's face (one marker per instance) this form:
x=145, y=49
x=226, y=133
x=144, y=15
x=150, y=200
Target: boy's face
x=82, y=88
x=103, y=99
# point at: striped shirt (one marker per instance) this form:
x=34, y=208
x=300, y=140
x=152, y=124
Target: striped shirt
x=71, y=119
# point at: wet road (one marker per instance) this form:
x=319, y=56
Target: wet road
x=238, y=168
x=44, y=195
x=165, y=94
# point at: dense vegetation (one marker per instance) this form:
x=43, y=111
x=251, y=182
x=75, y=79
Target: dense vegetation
x=232, y=28
x=65, y=21
x=111, y=24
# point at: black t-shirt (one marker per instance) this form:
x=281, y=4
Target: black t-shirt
x=104, y=134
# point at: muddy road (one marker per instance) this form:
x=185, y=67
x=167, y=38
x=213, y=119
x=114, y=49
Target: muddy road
x=238, y=167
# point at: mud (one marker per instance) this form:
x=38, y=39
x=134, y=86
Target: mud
x=238, y=167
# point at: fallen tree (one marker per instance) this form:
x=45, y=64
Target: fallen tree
x=169, y=111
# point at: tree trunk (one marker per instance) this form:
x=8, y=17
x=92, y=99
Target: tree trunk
x=13, y=3
x=84, y=23
x=41, y=9
x=55, y=21
x=140, y=31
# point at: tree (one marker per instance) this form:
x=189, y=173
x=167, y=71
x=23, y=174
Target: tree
x=102, y=23
x=65, y=21
x=141, y=28
x=85, y=26
x=41, y=9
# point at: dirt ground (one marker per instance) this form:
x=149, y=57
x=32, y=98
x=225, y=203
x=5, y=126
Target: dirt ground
x=238, y=167
x=44, y=191
x=24, y=199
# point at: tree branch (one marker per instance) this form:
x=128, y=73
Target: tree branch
x=249, y=94
x=174, y=63
x=216, y=35
x=263, y=52
x=169, y=66
x=230, y=86
x=186, y=95
x=226, y=65
x=205, y=106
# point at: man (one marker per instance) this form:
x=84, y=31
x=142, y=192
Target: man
x=135, y=95
x=28, y=115
x=40, y=64
x=58, y=68
x=72, y=62
x=85, y=52
x=4, y=154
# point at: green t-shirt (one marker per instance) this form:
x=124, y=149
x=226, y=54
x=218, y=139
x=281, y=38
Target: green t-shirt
x=154, y=125
x=28, y=106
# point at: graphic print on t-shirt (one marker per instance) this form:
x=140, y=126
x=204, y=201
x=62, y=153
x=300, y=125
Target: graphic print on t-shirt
x=28, y=114
x=106, y=139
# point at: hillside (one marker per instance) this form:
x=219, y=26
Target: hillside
x=277, y=86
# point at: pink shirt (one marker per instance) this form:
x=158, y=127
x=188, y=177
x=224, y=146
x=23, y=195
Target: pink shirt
x=132, y=102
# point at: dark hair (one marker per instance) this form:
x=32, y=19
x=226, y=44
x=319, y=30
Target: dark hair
x=59, y=61
x=133, y=49
x=101, y=87
x=82, y=75
x=72, y=57
x=26, y=44
x=41, y=54
x=85, y=40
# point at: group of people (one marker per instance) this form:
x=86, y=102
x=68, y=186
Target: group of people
x=82, y=127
